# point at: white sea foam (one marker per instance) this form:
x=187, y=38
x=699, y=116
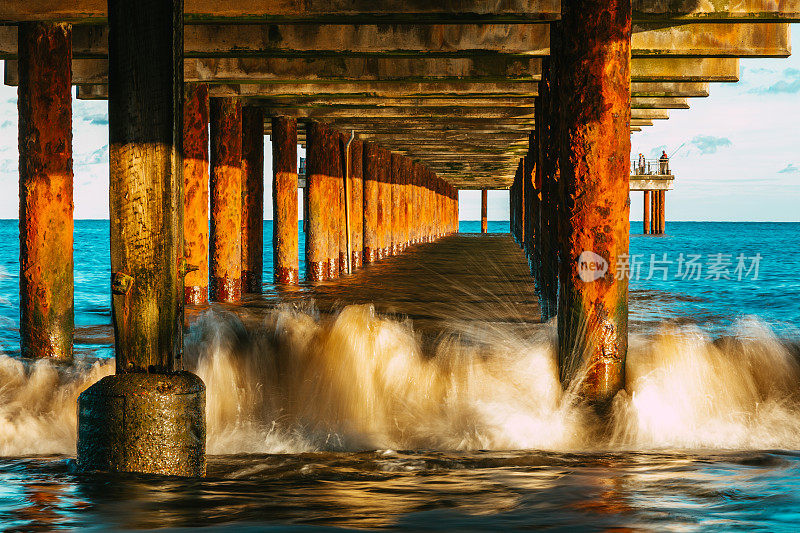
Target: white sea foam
x=354, y=381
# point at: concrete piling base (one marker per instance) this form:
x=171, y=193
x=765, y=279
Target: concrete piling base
x=146, y=423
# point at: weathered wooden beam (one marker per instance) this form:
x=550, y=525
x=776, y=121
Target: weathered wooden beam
x=668, y=89
x=411, y=91
x=434, y=40
x=392, y=70
x=331, y=112
x=416, y=11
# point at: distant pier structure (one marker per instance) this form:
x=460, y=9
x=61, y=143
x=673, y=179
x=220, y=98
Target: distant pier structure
x=399, y=105
x=653, y=178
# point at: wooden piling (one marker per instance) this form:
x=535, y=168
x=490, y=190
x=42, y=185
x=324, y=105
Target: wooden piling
x=371, y=176
x=484, y=202
x=662, y=212
x=285, y=246
x=593, y=51
x=226, y=200
x=317, y=170
x=408, y=171
x=337, y=245
x=395, y=176
x=356, y=204
x=384, y=203
x=344, y=236
x=195, y=192
x=150, y=416
x=646, y=214
x=252, y=199
x=550, y=178
x=45, y=191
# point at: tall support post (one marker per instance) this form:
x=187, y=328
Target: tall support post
x=455, y=210
x=550, y=178
x=646, y=213
x=662, y=212
x=337, y=245
x=484, y=206
x=341, y=258
x=356, y=204
x=45, y=190
x=594, y=55
x=285, y=246
x=252, y=199
x=532, y=158
x=653, y=212
x=408, y=172
x=150, y=416
x=371, y=162
x=318, y=170
x=226, y=200
x=395, y=175
x=384, y=202
x=511, y=210
x=426, y=205
x=195, y=192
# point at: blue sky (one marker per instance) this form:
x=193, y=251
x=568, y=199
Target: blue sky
x=740, y=158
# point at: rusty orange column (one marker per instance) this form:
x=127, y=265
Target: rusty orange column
x=318, y=168
x=356, y=204
x=646, y=213
x=414, y=188
x=342, y=258
x=456, y=227
x=45, y=190
x=394, y=177
x=408, y=171
x=252, y=199
x=484, y=201
x=401, y=208
x=371, y=172
x=384, y=211
x=195, y=192
x=593, y=52
x=285, y=247
x=226, y=200
x=662, y=212
x=335, y=205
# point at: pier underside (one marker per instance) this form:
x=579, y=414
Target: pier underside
x=435, y=285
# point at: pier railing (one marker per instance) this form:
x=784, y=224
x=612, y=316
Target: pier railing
x=650, y=167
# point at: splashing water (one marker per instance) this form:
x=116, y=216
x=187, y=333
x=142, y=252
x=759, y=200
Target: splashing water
x=357, y=381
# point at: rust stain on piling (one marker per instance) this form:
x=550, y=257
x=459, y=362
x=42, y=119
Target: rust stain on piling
x=252, y=199
x=357, y=203
x=226, y=199
x=370, y=160
x=396, y=169
x=323, y=168
x=593, y=52
x=334, y=203
x=195, y=192
x=45, y=200
x=385, y=203
x=285, y=246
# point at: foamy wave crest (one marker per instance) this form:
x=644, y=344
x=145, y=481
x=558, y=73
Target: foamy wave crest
x=298, y=381
x=38, y=405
